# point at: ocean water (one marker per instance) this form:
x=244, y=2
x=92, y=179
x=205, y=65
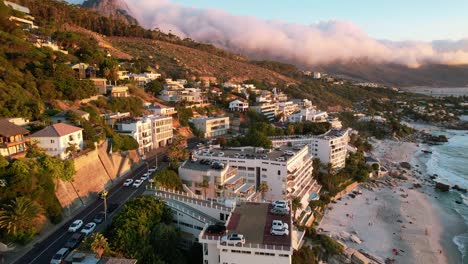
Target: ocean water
x=439, y=92
x=450, y=162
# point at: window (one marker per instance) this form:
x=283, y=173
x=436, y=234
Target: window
x=263, y=169
x=279, y=172
x=52, y=141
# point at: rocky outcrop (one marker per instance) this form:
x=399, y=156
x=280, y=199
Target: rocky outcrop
x=112, y=8
x=442, y=187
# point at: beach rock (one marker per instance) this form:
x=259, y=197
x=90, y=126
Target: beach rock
x=458, y=188
x=458, y=202
x=405, y=165
x=442, y=187
x=433, y=177
x=417, y=185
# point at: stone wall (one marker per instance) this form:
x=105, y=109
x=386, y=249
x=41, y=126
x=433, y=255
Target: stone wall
x=94, y=171
x=348, y=188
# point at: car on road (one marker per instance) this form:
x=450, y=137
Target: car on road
x=281, y=204
x=60, y=256
x=151, y=170
x=74, y=241
x=145, y=177
x=279, y=231
x=236, y=239
x=99, y=218
x=75, y=225
x=111, y=207
x=137, y=183
x=279, y=223
x=88, y=228
x=217, y=229
x=128, y=182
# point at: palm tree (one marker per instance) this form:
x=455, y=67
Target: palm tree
x=296, y=204
x=263, y=188
x=19, y=215
x=99, y=244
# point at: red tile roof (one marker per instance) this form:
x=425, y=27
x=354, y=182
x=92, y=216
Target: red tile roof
x=57, y=130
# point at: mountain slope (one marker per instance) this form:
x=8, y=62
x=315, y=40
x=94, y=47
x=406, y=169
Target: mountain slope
x=112, y=8
x=435, y=75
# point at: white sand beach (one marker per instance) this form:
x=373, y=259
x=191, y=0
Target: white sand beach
x=390, y=214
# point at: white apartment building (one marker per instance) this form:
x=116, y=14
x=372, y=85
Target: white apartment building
x=286, y=170
x=211, y=126
x=317, y=75
x=117, y=91
x=269, y=110
x=112, y=118
x=162, y=130
x=308, y=114
x=56, y=138
x=330, y=147
x=238, y=105
x=287, y=108
x=253, y=221
x=143, y=78
x=191, y=95
x=221, y=180
x=140, y=129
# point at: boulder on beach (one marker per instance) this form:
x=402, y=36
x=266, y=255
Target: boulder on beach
x=405, y=165
x=417, y=185
x=442, y=187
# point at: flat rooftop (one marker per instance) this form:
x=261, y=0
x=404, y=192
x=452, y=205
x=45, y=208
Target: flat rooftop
x=254, y=220
x=196, y=165
x=251, y=153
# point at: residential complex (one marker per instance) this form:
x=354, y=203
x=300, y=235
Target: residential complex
x=211, y=126
x=117, y=91
x=269, y=110
x=286, y=170
x=13, y=140
x=149, y=131
x=330, y=147
x=57, y=138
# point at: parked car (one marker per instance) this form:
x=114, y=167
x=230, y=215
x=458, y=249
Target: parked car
x=128, y=182
x=74, y=240
x=279, y=202
x=60, y=256
x=111, y=207
x=88, y=228
x=279, y=231
x=279, y=223
x=75, y=225
x=152, y=169
x=217, y=229
x=145, y=176
x=279, y=211
x=137, y=183
x=99, y=218
x=237, y=239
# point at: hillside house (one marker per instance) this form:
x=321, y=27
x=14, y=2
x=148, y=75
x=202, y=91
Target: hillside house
x=56, y=138
x=13, y=140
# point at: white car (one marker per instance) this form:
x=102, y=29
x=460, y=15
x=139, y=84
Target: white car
x=279, y=224
x=128, y=182
x=279, y=202
x=75, y=225
x=237, y=239
x=137, y=183
x=221, y=154
x=60, y=256
x=88, y=228
x=145, y=176
x=153, y=169
x=279, y=231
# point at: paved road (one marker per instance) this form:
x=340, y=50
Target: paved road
x=44, y=251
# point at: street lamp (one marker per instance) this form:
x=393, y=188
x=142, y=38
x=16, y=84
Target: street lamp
x=103, y=195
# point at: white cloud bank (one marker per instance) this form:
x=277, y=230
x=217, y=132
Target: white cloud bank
x=318, y=43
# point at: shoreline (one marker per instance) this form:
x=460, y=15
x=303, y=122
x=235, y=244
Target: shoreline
x=399, y=215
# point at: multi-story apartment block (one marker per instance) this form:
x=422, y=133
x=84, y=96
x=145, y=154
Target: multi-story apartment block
x=162, y=110
x=142, y=79
x=269, y=110
x=113, y=118
x=57, y=138
x=253, y=221
x=140, y=129
x=287, y=108
x=117, y=91
x=307, y=114
x=13, y=140
x=162, y=130
x=177, y=94
x=213, y=180
x=211, y=126
x=286, y=170
x=330, y=147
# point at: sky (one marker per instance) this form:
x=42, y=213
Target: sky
x=396, y=20
x=312, y=32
